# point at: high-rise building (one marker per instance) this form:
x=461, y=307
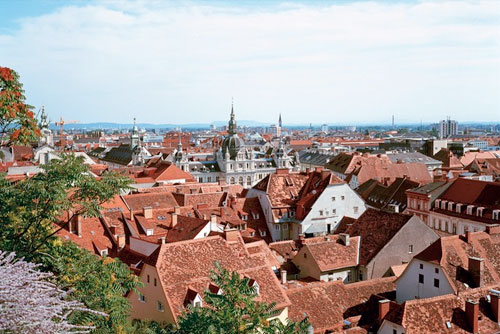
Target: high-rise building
x=324, y=128
x=447, y=128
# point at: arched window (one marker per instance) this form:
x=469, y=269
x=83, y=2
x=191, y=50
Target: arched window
x=231, y=180
x=241, y=180
x=249, y=180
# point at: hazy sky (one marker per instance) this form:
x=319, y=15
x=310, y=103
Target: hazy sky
x=341, y=62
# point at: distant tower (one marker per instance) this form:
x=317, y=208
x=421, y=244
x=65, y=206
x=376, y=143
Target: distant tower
x=279, y=122
x=179, y=144
x=135, y=140
x=393, y=121
x=232, y=122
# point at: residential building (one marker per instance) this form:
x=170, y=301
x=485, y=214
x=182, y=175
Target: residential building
x=178, y=274
x=421, y=199
x=305, y=203
x=387, y=239
x=447, y=128
x=452, y=265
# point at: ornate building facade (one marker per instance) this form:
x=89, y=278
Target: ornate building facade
x=235, y=162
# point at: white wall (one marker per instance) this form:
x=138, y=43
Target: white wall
x=388, y=327
x=342, y=207
x=461, y=223
x=408, y=287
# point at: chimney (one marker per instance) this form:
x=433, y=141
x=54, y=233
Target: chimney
x=147, y=211
x=318, y=169
x=131, y=215
x=232, y=235
x=113, y=229
x=302, y=239
x=283, y=276
x=495, y=305
x=78, y=227
x=384, y=306
x=472, y=314
x=346, y=239
x=174, y=220
x=476, y=269
x=120, y=240
x=308, y=170
x=468, y=237
x=162, y=240
x=177, y=209
x=213, y=219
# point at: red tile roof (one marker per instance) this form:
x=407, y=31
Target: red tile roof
x=186, y=265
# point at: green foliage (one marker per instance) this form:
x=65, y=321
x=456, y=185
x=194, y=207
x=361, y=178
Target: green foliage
x=18, y=124
x=151, y=327
x=29, y=208
x=100, y=283
x=234, y=311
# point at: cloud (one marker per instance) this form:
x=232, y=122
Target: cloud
x=342, y=63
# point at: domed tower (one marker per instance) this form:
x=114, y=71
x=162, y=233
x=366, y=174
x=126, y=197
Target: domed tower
x=232, y=143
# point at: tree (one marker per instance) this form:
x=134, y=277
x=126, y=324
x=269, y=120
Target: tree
x=64, y=190
x=234, y=311
x=100, y=283
x=18, y=124
x=29, y=303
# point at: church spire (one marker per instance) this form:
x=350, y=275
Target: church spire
x=179, y=144
x=279, y=122
x=232, y=121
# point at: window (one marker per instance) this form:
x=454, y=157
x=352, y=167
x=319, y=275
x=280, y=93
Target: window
x=421, y=278
x=334, y=212
x=436, y=270
x=142, y=298
x=394, y=331
x=355, y=209
x=333, y=199
x=155, y=282
x=262, y=233
x=421, y=266
x=159, y=307
x=342, y=197
x=277, y=227
x=454, y=227
x=410, y=249
x=321, y=212
x=285, y=226
x=436, y=283
x=147, y=278
x=305, y=255
x=349, y=276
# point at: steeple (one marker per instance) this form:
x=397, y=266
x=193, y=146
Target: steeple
x=232, y=122
x=279, y=122
x=179, y=144
x=135, y=136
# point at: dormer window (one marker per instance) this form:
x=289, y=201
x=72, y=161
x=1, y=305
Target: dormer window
x=496, y=214
x=458, y=208
x=469, y=209
x=244, y=217
x=443, y=204
x=253, y=283
x=262, y=233
x=149, y=231
x=104, y=252
x=450, y=206
x=193, y=298
x=438, y=203
x=479, y=212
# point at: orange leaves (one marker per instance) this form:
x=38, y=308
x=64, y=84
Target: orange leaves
x=6, y=74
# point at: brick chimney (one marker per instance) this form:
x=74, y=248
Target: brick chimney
x=495, y=304
x=468, y=237
x=472, y=314
x=177, y=209
x=174, y=220
x=147, y=211
x=302, y=240
x=476, y=269
x=121, y=240
x=78, y=225
x=162, y=240
x=345, y=238
x=384, y=306
x=131, y=215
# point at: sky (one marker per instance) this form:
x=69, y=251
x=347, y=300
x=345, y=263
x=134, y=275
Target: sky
x=178, y=62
